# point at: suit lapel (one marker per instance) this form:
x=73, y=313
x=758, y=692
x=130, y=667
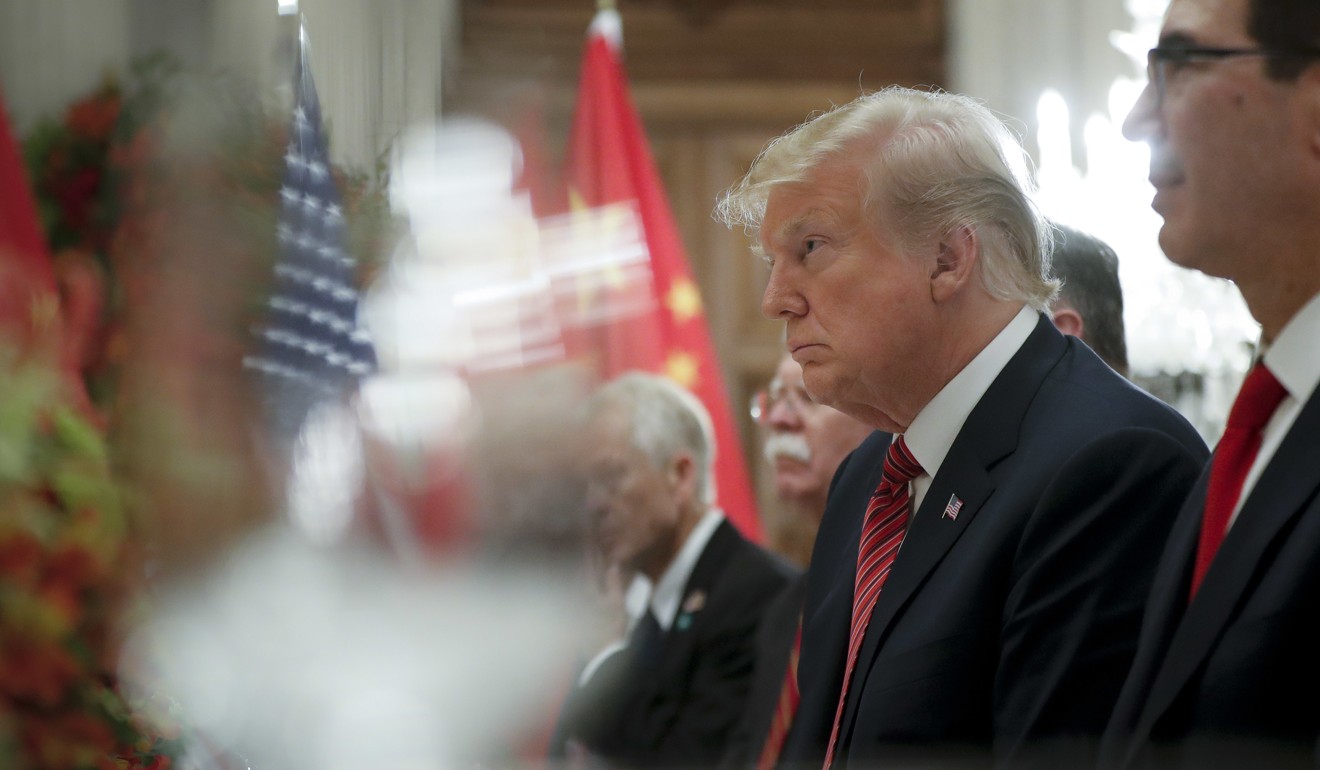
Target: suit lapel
x=1165, y=608
x=1278, y=496
x=989, y=434
x=839, y=594
x=680, y=641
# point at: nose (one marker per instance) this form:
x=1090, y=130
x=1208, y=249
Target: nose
x=780, y=299
x=1143, y=120
x=782, y=416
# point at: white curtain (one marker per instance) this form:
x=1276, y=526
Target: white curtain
x=377, y=63
x=1008, y=51
x=53, y=51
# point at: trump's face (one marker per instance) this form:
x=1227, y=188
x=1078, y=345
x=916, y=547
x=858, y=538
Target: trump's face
x=1228, y=144
x=856, y=310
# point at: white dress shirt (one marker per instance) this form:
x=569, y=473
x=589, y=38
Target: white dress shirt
x=664, y=598
x=933, y=430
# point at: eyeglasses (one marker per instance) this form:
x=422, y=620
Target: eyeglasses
x=1161, y=61
x=764, y=401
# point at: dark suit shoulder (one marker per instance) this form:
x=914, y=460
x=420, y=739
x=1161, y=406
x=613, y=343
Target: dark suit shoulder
x=1096, y=400
x=734, y=568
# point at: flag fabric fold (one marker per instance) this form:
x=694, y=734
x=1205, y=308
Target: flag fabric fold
x=310, y=347
x=609, y=162
x=30, y=305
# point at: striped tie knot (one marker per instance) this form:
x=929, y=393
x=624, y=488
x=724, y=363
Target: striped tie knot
x=900, y=466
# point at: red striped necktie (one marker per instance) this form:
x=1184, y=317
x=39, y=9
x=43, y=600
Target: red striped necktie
x=1255, y=403
x=883, y=529
x=785, y=708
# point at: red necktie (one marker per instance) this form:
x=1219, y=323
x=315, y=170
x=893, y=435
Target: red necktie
x=882, y=533
x=1259, y=397
x=784, y=709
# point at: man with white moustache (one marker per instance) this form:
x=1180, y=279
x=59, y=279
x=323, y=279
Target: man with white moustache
x=805, y=443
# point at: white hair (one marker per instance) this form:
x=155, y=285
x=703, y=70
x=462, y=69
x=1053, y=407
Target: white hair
x=665, y=419
x=932, y=163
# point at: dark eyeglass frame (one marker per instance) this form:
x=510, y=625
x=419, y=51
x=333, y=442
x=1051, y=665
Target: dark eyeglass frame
x=1159, y=58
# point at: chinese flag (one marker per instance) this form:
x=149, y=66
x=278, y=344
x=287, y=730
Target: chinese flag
x=609, y=162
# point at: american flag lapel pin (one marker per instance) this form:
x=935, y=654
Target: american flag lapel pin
x=951, y=510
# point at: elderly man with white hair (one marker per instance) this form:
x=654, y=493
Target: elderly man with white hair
x=670, y=692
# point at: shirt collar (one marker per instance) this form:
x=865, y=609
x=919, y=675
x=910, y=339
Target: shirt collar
x=1292, y=357
x=664, y=600
x=933, y=430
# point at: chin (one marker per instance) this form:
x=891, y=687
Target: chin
x=1178, y=249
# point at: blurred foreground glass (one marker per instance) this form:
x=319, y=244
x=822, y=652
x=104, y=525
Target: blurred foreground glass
x=417, y=594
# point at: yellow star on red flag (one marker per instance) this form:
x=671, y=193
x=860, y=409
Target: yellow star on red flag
x=683, y=300
x=681, y=367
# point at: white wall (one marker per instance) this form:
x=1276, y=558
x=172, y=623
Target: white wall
x=377, y=63
x=52, y=51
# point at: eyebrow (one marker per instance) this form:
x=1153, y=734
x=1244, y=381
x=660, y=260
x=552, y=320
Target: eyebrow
x=816, y=216
x=1178, y=40
x=797, y=223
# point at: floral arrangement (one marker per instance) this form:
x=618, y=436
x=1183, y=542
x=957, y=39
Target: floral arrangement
x=98, y=173
x=77, y=165
x=116, y=203
x=63, y=544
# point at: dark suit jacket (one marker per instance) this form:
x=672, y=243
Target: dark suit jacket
x=1233, y=679
x=774, y=643
x=1003, y=632
x=680, y=711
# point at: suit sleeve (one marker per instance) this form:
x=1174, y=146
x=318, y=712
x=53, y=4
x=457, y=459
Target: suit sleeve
x=1080, y=580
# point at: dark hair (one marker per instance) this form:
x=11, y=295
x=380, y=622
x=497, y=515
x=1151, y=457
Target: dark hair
x=1287, y=25
x=1089, y=269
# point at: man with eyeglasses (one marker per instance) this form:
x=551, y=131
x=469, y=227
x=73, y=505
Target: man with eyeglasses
x=1228, y=664
x=804, y=444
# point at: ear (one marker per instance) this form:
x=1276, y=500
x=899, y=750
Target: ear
x=1068, y=320
x=955, y=264
x=683, y=475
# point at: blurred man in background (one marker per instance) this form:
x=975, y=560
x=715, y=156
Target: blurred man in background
x=805, y=442
x=1090, y=301
x=668, y=694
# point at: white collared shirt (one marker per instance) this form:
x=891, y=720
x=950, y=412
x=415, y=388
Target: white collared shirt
x=933, y=430
x=1293, y=361
x=668, y=592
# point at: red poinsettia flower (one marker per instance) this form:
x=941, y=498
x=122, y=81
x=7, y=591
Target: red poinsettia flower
x=94, y=118
x=20, y=556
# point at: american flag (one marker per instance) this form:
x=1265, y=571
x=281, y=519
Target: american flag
x=310, y=347
x=951, y=510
